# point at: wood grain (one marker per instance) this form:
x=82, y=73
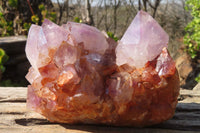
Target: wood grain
x=15, y=118
x=13, y=44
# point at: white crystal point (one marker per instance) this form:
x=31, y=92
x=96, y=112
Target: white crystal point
x=92, y=38
x=36, y=44
x=55, y=34
x=143, y=41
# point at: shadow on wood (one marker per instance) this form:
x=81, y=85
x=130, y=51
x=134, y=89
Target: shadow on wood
x=32, y=122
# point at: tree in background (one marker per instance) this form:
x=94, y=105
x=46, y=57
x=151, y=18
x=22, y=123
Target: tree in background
x=192, y=37
x=16, y=16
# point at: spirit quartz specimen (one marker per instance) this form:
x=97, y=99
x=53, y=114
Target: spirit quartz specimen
x=78, y=75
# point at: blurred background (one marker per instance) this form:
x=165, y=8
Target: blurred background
x=179, y=18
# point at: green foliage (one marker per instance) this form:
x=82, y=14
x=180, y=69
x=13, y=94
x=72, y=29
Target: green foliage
x=47, y=14
x=41, y=7
x=198, y=78
x=192, y=37
x=9, y=83
x=111, y=35
x=6, y=27
x=52, y=16
x=77, y=20
x=3, y=59
x=26, y=26
x=35, y=19
x=13, y=3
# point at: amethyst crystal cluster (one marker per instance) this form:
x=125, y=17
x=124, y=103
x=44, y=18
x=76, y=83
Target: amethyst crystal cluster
x=79, y=75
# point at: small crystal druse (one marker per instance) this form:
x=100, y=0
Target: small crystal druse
x=79, y=75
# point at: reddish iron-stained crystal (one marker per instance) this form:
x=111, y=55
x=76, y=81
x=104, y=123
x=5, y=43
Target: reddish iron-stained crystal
x=79, y=75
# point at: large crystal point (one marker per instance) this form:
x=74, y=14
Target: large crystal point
x=143, y=41
x=78, y=75
x=88, y=35
x=35, y=46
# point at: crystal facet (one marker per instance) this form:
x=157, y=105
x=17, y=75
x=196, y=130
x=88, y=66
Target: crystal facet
x=142, y=42
x=78, y=75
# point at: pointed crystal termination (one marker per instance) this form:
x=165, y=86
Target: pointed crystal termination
x=142, y=42
x=75, y=78
x=88, y=35
x=36, y=44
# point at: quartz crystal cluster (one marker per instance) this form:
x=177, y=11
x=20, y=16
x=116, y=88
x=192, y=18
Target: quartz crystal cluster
x=79, y=75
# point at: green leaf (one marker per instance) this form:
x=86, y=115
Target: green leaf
x=111, y=35
x=3, y=59
x=41, y=7
x=197, y=78
x=13, y=3
x=77, y=19
x=2, y=52
x=35, y=19
x=2, y=68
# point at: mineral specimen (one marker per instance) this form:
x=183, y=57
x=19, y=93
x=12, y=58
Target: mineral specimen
x=79, y=75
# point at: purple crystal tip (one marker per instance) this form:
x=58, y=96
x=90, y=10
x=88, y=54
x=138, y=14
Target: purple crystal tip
x=142, y=42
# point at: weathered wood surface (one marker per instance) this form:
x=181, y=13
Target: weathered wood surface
x=15, y=118
x=13, y=44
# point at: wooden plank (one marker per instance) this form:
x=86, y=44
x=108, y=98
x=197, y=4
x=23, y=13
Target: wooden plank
x=188, y=107
x=191, y=93
x=12, y=108
x=13, y=44
x=83, y=129
x=13, y=94
x=197, y=87
x=20, y=93
x=190, y=100
x=14, y=117
x=12, y=39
